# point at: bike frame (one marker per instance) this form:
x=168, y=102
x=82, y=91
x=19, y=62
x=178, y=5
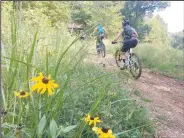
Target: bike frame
x=128, y=60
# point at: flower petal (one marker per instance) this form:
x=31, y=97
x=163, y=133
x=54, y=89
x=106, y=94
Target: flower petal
x=50, y=91
x=34, y=87
x=43, y=90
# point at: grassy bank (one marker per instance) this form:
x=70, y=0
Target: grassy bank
x=160, y=58
x=82, y=89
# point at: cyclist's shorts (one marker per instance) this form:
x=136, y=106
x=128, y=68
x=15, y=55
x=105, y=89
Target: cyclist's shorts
x=131, y=43
x=101, y=36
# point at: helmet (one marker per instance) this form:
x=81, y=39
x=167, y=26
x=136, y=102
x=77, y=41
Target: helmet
x=126, y=22
x=99, y=24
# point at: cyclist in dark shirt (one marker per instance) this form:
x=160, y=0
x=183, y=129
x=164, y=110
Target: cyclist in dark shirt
x=130, y=37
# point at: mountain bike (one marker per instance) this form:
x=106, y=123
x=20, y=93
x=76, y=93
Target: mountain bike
x=132, y=62
x=101, y=48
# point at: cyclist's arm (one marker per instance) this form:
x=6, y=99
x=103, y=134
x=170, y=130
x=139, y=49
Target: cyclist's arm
x=95, y=30
x=105, y=31
x=118, y=36
x=135, y=33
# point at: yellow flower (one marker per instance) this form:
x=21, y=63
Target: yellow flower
x=92, y=120
x=21, y=94
x=103, y=132
x=113, y=94
x=44, y=83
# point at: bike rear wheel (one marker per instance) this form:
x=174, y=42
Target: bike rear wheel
x=135, y=66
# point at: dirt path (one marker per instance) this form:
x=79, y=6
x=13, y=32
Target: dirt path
x=167, y=106
x=166, y=98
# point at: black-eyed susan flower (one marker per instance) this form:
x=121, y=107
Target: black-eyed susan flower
x=103, y=132
x=43, y=83
x=21, y=94
x=92, y=120
x=112, y=94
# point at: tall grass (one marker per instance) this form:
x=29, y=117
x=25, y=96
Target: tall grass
x=83, y=88
x=162, y=58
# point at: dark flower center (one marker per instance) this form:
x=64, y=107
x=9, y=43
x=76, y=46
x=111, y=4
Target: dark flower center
x=91, y=118
x=20, y=126
x=45, y=80
x=4, y=112
x=22, y=93
x=105, y=130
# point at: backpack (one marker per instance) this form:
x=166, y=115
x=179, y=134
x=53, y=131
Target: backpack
x=100, y=29
x=128, y=31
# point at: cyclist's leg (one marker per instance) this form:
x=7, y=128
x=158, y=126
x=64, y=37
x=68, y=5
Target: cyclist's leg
x=131, y=43
x=122, y=56
x=124, y=49
x=127, y=45
x=98, y=43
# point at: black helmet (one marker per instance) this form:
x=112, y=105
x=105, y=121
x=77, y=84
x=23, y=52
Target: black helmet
x=126, y=22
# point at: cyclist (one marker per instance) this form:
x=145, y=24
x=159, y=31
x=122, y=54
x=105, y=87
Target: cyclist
x=130, y=39
x=100, y=35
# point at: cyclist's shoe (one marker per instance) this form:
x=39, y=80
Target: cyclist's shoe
x=123, y=67
x=124, y=64
x=113, y=42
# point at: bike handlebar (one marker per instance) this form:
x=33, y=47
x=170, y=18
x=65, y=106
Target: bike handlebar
x=116, y=42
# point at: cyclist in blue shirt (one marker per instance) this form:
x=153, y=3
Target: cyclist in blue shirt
x=100, y=35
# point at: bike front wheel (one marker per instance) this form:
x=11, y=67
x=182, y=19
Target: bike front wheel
x=119, y=62
x=103, y=53
x=135, y=66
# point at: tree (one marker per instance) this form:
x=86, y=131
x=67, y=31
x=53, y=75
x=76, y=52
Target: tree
x=178, y=40
x=91, y=13
x=55, y=11
x=135, y=11
x=80, y=16
x=158, y=34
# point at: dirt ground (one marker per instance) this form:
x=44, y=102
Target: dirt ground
x=165, y=94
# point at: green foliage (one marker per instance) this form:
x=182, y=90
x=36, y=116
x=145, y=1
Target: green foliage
x=80, y=15
x=90, y=13
x=178, y=40
x=161, y=58
x=158, y=34
x=54, y=11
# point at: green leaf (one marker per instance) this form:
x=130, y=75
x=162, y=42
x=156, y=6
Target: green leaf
x=8, y=125
x=53, y=128
x=146, y=100
x=65, y=129
x=41, y=125
x=68, y=129
x=47, y=62
x=32, y=48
